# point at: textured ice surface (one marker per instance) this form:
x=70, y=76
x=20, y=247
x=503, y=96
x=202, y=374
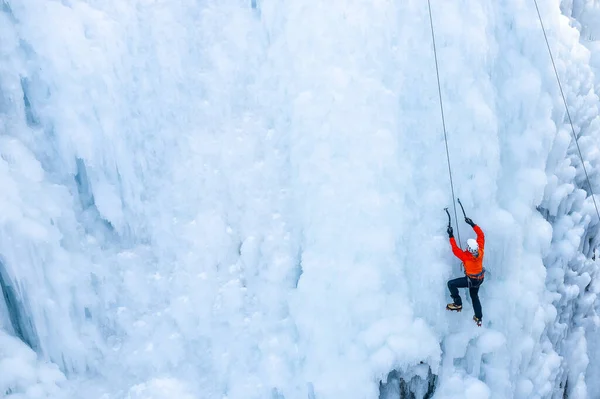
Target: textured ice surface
x=244, y=199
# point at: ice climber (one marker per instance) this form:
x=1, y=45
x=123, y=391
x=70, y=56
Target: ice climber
x=472, y=260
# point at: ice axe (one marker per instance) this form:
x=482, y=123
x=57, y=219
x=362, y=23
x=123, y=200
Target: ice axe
x=467, y=220
x=461, y=207
x=450, y=225
x=449, y=218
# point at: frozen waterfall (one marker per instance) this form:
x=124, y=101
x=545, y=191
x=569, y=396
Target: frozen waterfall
x=243, y=199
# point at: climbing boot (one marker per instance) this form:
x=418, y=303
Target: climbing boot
x=454, y=307
x=477, y=321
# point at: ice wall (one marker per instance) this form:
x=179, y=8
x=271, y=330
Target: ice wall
x=585, y=15
x=244, y=199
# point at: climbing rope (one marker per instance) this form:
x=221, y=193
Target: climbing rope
x=567, y=108
x=437, y=72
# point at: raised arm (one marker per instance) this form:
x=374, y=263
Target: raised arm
x=478, y=231
x=480, y=236
x=459, y=253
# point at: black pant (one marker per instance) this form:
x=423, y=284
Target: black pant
x=464, y=282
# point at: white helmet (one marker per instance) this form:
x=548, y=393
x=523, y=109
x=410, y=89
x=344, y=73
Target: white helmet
x=472, y=246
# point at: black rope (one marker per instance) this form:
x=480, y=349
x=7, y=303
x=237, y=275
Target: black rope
x=437, y=72
x=566, y=108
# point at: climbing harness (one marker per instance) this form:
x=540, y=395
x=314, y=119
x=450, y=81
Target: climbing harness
x=478, y=276
x=437, y=72
x=566, y=108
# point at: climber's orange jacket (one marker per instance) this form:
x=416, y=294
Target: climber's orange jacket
x=473, y=265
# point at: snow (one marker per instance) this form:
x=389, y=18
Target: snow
x=244, y=199
x=23, y=375
x=159, y=388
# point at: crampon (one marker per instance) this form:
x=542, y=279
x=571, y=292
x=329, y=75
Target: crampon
x=454, y=307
